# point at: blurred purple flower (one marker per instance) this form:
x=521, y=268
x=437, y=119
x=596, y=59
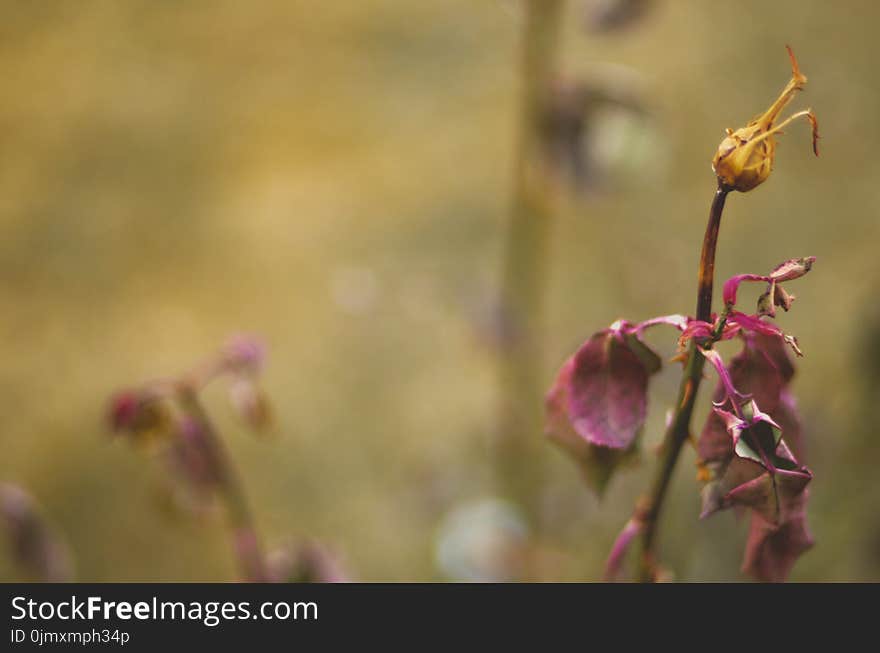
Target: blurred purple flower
x=245, y=353
x=306, y=562
x=35, y=546
x=607, y=15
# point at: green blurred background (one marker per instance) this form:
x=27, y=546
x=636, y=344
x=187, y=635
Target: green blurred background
x=335, y=176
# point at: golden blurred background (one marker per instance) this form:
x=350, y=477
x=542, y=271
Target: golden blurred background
x=336, y=177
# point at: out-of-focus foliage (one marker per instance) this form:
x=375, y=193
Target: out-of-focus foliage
x=335, y=177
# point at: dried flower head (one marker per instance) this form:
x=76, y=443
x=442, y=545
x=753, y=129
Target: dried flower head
x=745, y=157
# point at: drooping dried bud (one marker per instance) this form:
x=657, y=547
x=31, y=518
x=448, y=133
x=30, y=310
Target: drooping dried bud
x=782, y=298
x=793, y=268
x=745, y=157
x=767, y=303
x=774, y=296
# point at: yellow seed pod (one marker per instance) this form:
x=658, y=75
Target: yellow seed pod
x=745, y=157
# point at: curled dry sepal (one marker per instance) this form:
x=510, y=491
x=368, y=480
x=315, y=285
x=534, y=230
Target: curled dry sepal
x=596, y=410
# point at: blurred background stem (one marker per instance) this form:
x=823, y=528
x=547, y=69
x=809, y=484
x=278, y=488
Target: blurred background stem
x=518, y=445
x=245, y=540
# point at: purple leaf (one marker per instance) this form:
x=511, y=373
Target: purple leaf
x=762, y=369
x=768, y=494
x=714, y=444
x=597, y=405
x=597, y=463
x=736, y=472
x=741, y=446
x=772, y=549
x=607, y=398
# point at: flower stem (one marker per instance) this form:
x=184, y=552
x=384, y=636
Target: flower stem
x=517, y=447
x=245, y=540
x=679, y=427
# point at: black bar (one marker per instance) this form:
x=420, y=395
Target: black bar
x=416, y=616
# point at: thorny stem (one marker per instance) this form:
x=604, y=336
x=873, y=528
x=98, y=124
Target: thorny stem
x=679, y=427
x=524, y=267
x=246, y=542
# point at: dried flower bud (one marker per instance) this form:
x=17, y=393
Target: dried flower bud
x=793, y=268
x=766, y=302
x=745, y=157
x=782, y=298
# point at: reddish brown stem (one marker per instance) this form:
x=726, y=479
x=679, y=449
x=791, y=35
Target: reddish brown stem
x=679, y=427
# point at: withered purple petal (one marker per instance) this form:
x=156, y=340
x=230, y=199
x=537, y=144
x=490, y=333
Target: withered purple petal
x=732, y=285
x=754, y=324
x=793, y=268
